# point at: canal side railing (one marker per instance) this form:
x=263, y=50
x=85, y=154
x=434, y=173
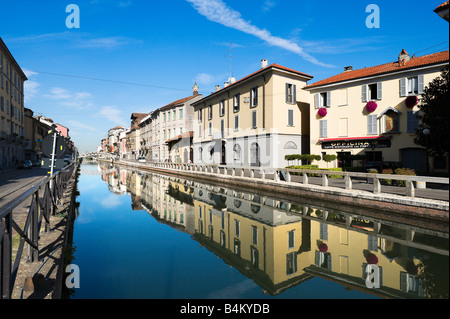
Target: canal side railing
x=40, y=211
x=303, y=176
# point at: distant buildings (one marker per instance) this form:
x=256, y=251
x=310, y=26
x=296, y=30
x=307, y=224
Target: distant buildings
x=12, y=120
x=21, y=132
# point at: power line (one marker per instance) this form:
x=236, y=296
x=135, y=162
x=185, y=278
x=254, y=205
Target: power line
x=111, y=81
x=431, y=47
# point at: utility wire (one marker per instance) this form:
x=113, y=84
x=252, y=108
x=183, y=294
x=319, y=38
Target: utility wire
x=111, y=81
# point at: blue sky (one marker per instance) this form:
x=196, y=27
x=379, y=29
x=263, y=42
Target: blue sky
x=152, y=51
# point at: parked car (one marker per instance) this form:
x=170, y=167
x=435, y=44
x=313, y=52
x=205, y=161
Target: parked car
x=37, y=163
x=141, y=159
x=25, y=164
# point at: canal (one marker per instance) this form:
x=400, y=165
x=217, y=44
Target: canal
x=146, y=235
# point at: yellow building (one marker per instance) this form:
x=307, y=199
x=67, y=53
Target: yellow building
x=372, y=112
x=254, y=121
x=12, y=119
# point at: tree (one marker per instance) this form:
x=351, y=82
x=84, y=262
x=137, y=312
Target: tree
x=434, y=116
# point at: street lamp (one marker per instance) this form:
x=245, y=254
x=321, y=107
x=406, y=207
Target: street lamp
x=426, y=132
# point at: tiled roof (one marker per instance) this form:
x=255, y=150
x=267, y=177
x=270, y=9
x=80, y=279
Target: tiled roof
x=273, y=66
x=414, y=62
x=189, y=134
x=177, y=102
x=442, y=6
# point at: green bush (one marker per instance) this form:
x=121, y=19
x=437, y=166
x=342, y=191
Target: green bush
x=387, y=171
x=316, y=167
x=404, y=171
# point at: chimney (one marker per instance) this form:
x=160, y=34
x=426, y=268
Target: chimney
x=348, y=68
x=217, y=88
x=225, y=84
x=403, y=57
x=263, y=63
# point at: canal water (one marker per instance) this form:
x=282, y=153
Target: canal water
x=146, y=235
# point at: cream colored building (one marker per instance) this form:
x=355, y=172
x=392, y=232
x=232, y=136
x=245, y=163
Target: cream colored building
x=383, y=134
x=255, y=121
x=12, y=119
x=171, y=123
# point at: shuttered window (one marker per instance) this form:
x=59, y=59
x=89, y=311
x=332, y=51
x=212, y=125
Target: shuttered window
x=290, y=117
x=291, y=92
x=254, y=97
x=323, y=128
x=254, y=118
x=413, y=121
x=372, y=127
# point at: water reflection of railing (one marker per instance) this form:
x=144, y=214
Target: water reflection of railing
x=281, y=244
x=285, y=175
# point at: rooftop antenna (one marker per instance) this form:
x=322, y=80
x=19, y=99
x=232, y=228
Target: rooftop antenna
x=230, y=56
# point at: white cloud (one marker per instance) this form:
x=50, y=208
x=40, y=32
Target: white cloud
x=66, y=98
x=31, y=87
x=111, y=113
x=268, y=5
x=217, y=11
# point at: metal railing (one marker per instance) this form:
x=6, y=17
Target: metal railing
x=285, y=175
x=41, y=209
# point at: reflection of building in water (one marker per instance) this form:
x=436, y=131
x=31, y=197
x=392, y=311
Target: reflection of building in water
x=279, y=245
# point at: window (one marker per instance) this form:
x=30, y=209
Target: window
x=236, y=123
x=236, y=227
x=291, y=263
x=291, y=93
x=413, y=121
x=343, y=97
x=291, y=239
x=180, y=114
x=236, y=102
x=254, y=97
x=174, y=115
x=254, y=258
x=200, y=113
x=168, y=116
x=372, y=92
x=222, y=108
x=372, y=127
x=210, y=115
x=412, y=85
x=200, y=130
x=254, y=235
x=210, y=129
x=323, y=128
x=254, y=119
x=222, y=128
x=290, y=119
x=200, y=156
x=322, y=100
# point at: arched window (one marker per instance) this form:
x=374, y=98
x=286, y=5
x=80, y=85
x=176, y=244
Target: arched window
x=200, y=153
x=290, y=146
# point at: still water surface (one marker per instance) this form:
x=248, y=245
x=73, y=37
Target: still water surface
x=146, y=235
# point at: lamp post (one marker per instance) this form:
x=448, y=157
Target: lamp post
x=426, y=132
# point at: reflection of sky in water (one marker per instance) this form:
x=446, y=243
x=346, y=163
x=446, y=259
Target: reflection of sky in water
x=126, y=253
